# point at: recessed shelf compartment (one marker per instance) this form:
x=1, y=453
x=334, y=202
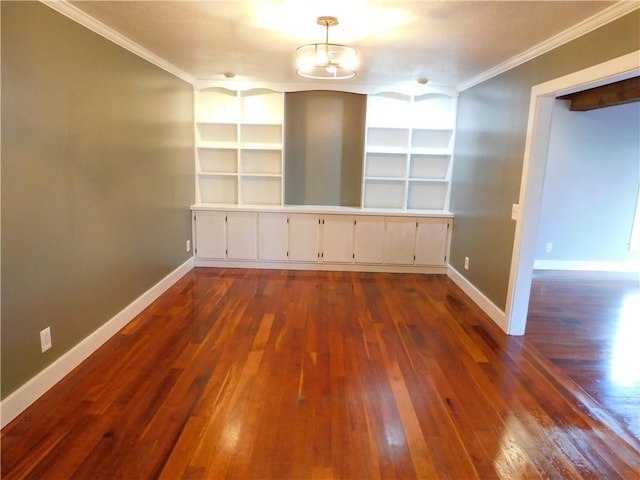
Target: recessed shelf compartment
x=261, y=136
x=429, y=166
x=217, y=105
x=388, y=139
x=216, y=133
x=218, y=188
x=434, y=111
x=431, y=139
x=261, y=190
x=384, y=193
x=392, y=165
x=389, y=110
x=261, y=161
x=262, y=106
x=216, y=160
x=427, y=195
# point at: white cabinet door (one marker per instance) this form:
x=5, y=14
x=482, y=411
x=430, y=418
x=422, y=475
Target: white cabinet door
x=337, y=238
x=431, y=241
x=273, y=236
x=368, y=242
x=399, y=240
x=211, y=234
x=304, y=238
x=242, y=236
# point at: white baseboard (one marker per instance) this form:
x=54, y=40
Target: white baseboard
x=576, y=265
x=21, y=399
x=319, y=266
x=479, y=298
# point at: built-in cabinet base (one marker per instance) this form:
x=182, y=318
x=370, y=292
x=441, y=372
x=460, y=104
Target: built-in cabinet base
x=312, y=239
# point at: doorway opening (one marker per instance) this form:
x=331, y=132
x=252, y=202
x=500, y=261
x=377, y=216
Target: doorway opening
x=535, y=158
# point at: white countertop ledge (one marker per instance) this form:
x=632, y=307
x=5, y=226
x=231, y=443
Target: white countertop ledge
x=320, y=209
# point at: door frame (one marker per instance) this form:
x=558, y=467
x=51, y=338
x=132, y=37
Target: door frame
x=527, y=212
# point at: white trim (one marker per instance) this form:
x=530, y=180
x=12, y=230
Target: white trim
x=318, y=266
x=21, y=399
x=583, y=266
x=536, y=145
x=322, y=210
x=478, y=298
x=366, y=89
x=534, y=164
x=612, y=13
x=96, y=26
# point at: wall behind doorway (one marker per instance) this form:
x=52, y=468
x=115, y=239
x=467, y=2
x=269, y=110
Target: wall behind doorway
x=590, y=189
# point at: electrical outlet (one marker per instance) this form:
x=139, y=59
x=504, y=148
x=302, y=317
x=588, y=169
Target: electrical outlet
x=466, y=263
x=549, y=247
x=45, y=339
x=188, y=246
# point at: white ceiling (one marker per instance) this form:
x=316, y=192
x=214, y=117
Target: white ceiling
x=447, y=42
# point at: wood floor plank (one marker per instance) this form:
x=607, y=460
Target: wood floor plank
x=273, y=374
x=575, y=321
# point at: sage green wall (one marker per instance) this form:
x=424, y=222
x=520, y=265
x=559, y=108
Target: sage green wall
x=490, y=136
x=97, y=180
x=324, y=147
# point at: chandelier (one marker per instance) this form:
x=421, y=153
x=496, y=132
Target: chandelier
x=326, y=60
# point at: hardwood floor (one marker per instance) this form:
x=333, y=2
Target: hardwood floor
x=294, y=374
x=587, y=324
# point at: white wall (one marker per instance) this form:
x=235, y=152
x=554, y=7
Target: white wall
x=590, y=189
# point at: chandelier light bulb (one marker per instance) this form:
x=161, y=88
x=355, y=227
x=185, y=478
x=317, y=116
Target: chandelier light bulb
x=322, y=57
x=305, y=63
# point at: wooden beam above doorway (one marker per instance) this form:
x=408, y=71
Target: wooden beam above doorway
x=618, y=93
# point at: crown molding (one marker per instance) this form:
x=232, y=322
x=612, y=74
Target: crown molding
x=608, y=15
x=78, y=16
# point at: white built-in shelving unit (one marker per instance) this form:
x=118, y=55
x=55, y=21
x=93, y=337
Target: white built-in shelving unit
x=239, y=138
x=403, y=222
x=408, y=151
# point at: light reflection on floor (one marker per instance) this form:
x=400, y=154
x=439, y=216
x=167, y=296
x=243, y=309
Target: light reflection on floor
x=510, y=457
x=625, y=361
x=588, y=325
